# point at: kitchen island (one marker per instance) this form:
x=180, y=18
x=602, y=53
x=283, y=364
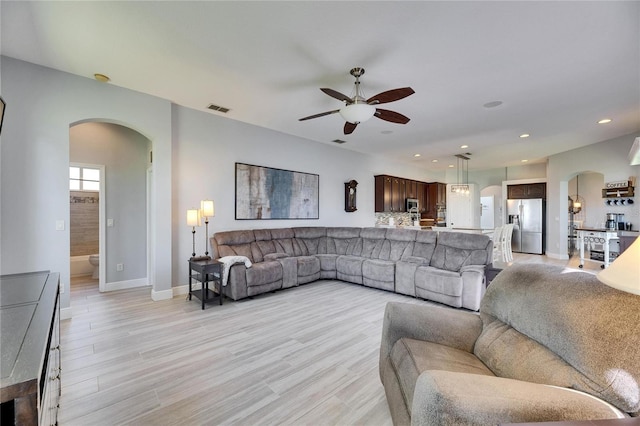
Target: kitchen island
x=592, y=237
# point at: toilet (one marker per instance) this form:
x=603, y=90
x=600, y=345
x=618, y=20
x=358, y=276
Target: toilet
x=94, y=260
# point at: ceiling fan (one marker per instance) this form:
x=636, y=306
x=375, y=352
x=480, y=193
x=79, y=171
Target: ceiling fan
x=358, y=109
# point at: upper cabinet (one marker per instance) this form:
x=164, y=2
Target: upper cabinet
x=436, y=198
x=526, y=191
x=391, y=193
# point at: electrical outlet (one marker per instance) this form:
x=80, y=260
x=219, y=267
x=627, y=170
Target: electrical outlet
x=120, y=267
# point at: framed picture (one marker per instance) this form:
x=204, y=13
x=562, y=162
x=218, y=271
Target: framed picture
x=267, y=193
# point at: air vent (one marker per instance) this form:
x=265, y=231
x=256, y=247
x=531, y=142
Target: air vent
x=218, y=108
x=338, y=141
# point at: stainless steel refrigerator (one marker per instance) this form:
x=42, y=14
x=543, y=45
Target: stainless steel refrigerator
x=527, y=217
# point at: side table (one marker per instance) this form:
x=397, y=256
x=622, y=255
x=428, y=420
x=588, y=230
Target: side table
x=205, y=271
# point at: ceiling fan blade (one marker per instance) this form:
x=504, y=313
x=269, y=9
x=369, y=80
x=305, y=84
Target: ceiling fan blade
x=392, y=116
x=349, y=128
x=337, y=95
x=391, y=95
x=322, y=114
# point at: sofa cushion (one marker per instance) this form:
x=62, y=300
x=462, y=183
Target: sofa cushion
x=262, y=248
x=379, y=274
x=327, y=265
x=341, y=240
x=310, y=240
x=584, y=337
x=438, y=281
x=349, y=268
x=398, y=244
x=455, y=249
x=410, y=358
x=425, y=245
x=264, y=273
x=308, y=265
x=232, y=243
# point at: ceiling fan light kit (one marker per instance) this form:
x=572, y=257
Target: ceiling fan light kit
x=357, y=109
x=357, y=113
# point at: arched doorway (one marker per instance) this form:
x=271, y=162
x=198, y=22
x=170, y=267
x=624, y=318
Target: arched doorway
x=124, y=156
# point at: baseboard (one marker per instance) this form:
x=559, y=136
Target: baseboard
x=184, y=289
x=122, y=285
x=561, y=256
x=65, y=313
x=161, y=295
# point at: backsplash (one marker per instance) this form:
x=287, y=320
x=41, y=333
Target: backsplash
x=398, y=218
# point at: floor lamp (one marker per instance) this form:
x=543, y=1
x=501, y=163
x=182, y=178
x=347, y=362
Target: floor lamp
x=207, y=210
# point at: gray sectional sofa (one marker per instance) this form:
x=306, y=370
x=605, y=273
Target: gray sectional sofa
x=444, y=267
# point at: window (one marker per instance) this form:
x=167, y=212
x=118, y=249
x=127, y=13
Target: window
x=84, y=179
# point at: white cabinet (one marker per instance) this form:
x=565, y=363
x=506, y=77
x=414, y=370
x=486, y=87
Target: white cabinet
x=463, y=210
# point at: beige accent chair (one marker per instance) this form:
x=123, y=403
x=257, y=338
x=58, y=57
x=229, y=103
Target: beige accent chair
x=546, y=346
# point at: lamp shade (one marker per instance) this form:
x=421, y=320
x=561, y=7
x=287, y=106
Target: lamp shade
x=357, y=112
x=193, y=217
x=624, y=272
x=207, y=208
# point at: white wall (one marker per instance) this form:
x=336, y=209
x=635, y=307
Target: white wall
x=41, y=105
x=610, y=159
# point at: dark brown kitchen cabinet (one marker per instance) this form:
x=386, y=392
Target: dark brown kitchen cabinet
x=526, y=191
x=422, y=195
x=436, y=197
x=390, y=194
x=411, y=189
x=398, y=196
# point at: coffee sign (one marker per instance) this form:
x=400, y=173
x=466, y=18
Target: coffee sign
x=618, y=184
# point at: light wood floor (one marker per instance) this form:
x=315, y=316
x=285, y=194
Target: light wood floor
x=303, y=356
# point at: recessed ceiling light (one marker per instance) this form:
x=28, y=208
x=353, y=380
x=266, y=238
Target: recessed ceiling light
x=464, y=146
x=492, y=104
x=101, y=78
x=416, y=155
x=434, y=161
x=525, y=135
x=524, y=161
x=605, y=121
x=451, y=166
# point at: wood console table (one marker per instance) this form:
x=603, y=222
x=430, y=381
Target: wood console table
x=30, y=348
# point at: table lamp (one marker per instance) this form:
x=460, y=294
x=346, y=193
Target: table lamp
x=193, y=220
x=624, y=273
x=207, y=210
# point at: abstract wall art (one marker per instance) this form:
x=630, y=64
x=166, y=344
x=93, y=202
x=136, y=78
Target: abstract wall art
x=268, y=193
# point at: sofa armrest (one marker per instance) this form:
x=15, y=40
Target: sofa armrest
x=445, y=397
x=274, y=256
x=473, y=268
x=457, y=329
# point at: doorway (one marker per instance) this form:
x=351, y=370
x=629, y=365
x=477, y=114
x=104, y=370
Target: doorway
x=86, y=224
x=123, y=154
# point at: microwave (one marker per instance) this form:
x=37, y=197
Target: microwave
x=412, y=205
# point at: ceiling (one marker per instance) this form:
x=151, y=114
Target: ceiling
x=557, y=67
